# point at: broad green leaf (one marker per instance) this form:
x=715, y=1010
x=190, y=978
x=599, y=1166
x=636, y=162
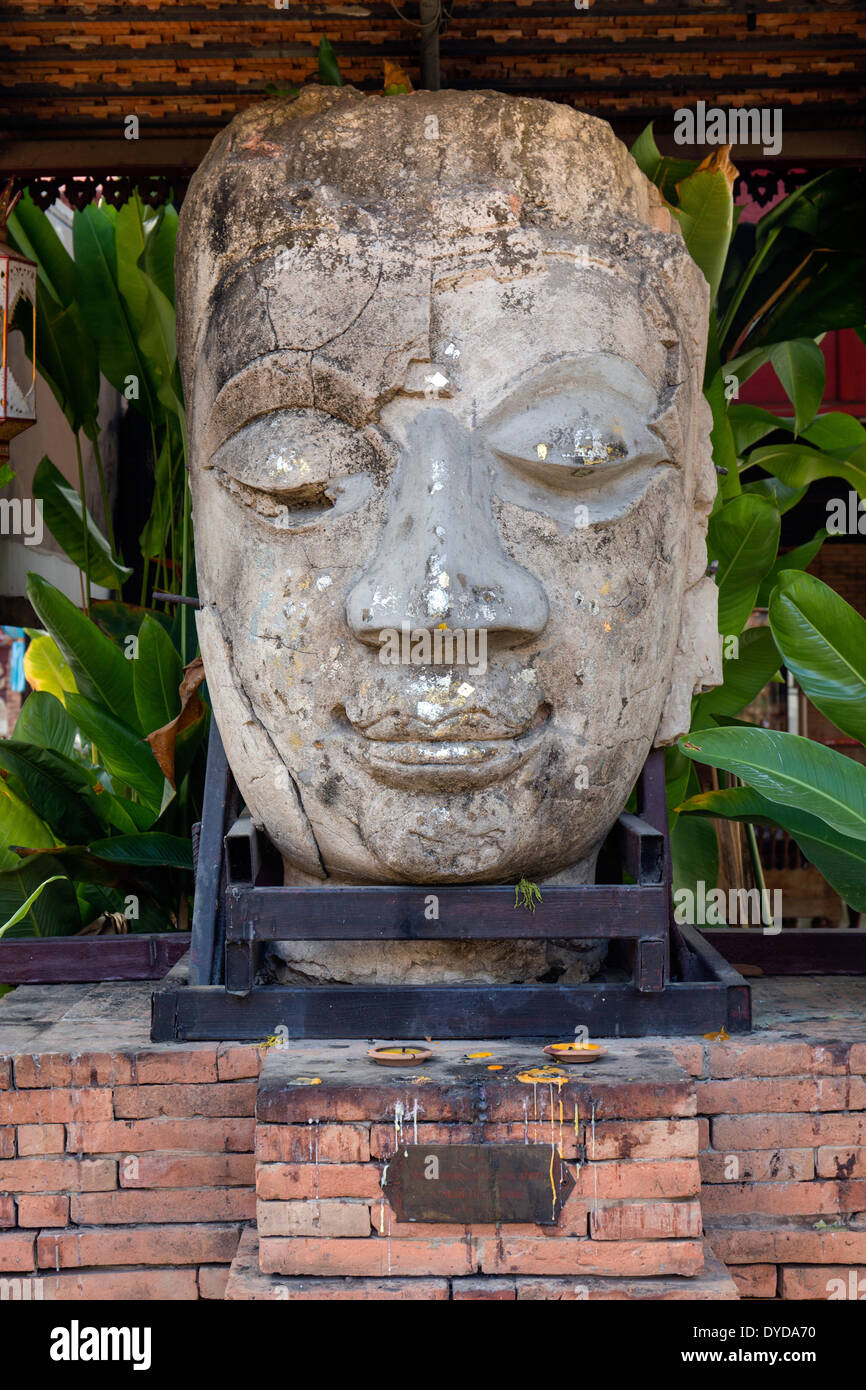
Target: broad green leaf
x=823, y=642
x=744, y=676
x=836, y=432
x=694, y=853
x=782, y=497
x=797, y=465
x=329, y=72
x=159, y=250
x=44, y=721
x=101, y=671
x=157, y=677
x=743, y=536
x=121, y=749
x=54, y=913
x=154, y=849
x=800, y=367
x=839, y=858
x=661, y=170
x=57, y=788
x=129, y=240
x=19, y=825
x=788, y=769
x=800, y=558
x=63, y=512
x=35, y=237
x=25, y=907
x=120, y=621
x=66, y=357
x=722, y=437
x=46, y=669
x=750, y=423
x=706, y=217
x=158, y=339
x=104, y=308
x=7, y=474
x=746, y=364
x=128, y=817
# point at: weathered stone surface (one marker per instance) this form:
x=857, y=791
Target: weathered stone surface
x=474, y=407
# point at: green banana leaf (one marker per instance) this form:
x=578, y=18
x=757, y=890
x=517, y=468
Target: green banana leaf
x=100, y=669
x=153, y=850
x=156, y=678
x=329, y=72
x=63, y=513
x=743, y=536
x=34, y=236
x=799, y=365
x=744, y=676
x=104, y=308
x=44, y=721
x=120, y=621
x=694, y=853
x=66, y=358
x=841, y=859
x=25, y=907
x=800, y=558
x=661, y=170
x=836, y=431
x=782, y=497
x=57, y=788
x=705, y=213
x=45, y=667
x=797, y=465
x=122, y=750
x=788, y=769
x=750, y=424
x=19, y=825
x=823, y=642
x=54, y=913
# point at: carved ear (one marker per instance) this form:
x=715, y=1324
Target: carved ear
x=269, y=794
x=698, y=659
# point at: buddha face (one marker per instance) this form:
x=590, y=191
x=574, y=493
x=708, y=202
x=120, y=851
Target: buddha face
x=450, y=483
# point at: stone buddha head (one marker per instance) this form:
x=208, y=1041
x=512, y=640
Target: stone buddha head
x=442, y=356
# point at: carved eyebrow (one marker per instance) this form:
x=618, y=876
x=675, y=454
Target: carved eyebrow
x=545, y=383
x=280, y=380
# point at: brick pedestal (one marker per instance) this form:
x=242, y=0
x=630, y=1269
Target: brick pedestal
x=329, y=1121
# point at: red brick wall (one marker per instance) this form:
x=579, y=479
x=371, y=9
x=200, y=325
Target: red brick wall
x=126, y=1176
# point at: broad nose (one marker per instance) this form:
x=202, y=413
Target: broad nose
x=441, y=561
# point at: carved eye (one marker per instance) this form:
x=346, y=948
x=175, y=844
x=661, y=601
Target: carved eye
x=579, y=419
x=564, y=438
x=291, y=467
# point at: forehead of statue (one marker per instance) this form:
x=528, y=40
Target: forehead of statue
x=347, y=322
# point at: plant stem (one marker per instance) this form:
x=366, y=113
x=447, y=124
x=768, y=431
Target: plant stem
x=757, y=869
x=86, y=534
x=109, y=524
x=184, y=620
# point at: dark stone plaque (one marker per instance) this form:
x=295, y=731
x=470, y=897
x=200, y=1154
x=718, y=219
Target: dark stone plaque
x=474, y=1183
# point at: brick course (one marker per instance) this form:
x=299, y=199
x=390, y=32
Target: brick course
x=134, y=1168
x=132, y=1174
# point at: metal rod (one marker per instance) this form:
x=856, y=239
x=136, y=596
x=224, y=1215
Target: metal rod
x=430, y=12
x=159, y=594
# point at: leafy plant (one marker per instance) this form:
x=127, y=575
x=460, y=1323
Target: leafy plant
x=110, y=310
x=87, y=807
x=775, y=289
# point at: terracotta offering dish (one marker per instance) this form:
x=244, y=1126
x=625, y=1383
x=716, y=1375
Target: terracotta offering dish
x=575, y=1052
x=399, y=1055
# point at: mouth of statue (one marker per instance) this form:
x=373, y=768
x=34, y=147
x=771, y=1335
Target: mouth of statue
x=435, y=761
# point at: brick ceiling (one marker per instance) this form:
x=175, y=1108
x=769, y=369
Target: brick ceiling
x=72, y=69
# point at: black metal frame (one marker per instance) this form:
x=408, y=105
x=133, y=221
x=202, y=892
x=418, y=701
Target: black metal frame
x=236, y=912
